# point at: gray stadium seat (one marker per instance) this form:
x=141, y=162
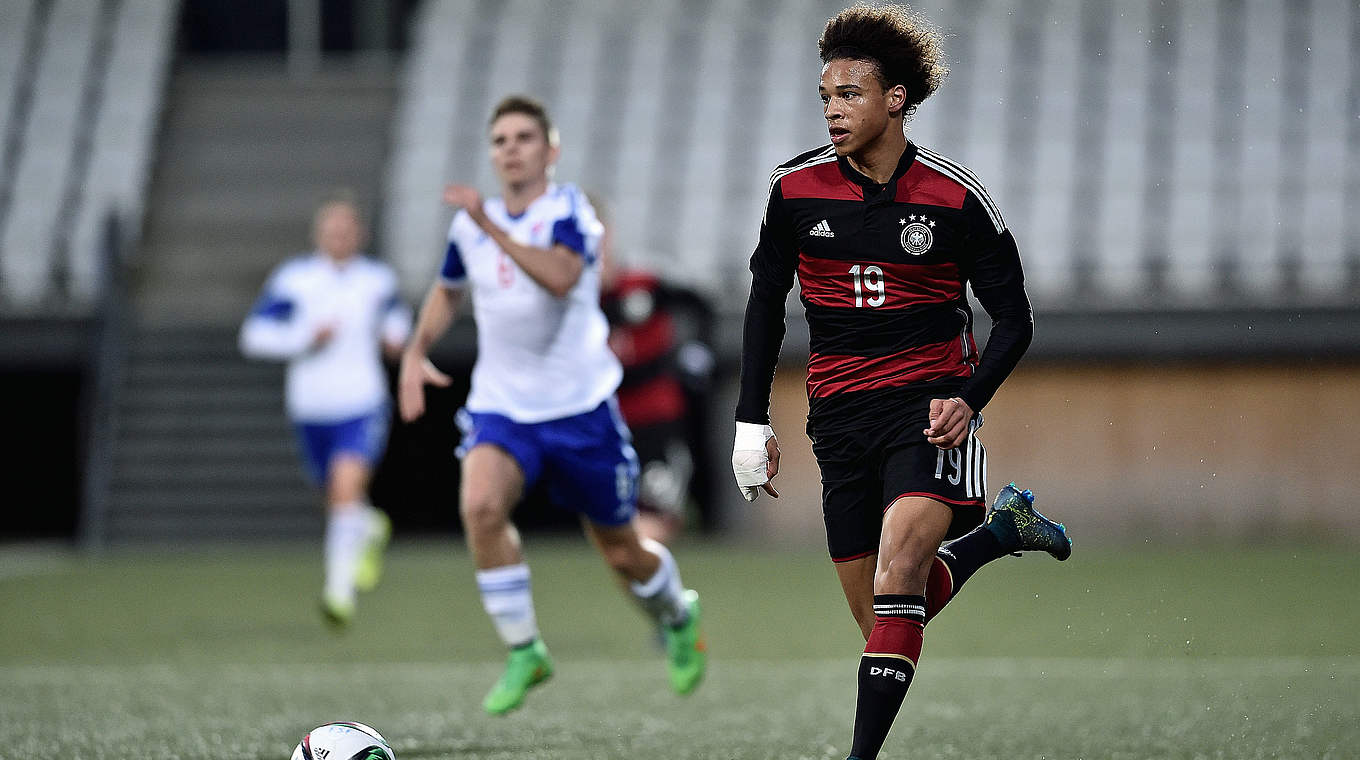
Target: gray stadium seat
x=125, y=128
x=1144, y=153
x=44, y=166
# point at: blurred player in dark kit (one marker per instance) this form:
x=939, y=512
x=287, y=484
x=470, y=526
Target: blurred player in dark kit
x=660, y=333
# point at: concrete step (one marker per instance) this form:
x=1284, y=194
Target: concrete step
x=296, y=523
x=283, y=115
x=265, y=474
x=188, y=399
x=204, y=424
x=234, y=452
x=206, y=163
x=170, y=500
x=154, y=345
x=209, y=308
x=223, y=374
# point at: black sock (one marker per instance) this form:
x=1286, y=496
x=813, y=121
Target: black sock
x=966, y=554
x=886, y=669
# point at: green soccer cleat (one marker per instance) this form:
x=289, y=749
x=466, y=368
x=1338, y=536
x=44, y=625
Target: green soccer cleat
x=338, y=612
x=526, y=667
x=369, y=571
x=686, y=650
x=1020, y=528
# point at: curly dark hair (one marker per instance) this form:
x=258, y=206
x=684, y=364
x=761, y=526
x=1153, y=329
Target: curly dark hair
x=901, y=43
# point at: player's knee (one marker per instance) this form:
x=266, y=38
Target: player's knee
x=620, y=557
x=347, y=480
x=905, y=569
x=482, y=512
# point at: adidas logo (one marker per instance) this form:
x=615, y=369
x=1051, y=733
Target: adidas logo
x=822, y=230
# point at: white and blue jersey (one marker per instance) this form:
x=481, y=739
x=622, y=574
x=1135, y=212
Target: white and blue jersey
x=539, y=357
x=544, y=381
x=336, y=394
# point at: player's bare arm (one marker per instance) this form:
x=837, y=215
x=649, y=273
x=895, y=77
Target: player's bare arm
x=556, y=269
x=417, y=371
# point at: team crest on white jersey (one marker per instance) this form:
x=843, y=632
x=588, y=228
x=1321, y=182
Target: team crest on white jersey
x=917, y=236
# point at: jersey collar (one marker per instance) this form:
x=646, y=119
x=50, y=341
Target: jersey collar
x=548, y=192
x=903, y=164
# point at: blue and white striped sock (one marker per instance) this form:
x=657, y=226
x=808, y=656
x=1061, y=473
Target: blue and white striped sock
x=510, y=603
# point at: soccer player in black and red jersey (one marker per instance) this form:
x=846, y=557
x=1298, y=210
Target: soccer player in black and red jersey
x=884, y=236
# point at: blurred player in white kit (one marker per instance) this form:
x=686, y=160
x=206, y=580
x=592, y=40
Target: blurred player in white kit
x=542, y=406
x=332, y=315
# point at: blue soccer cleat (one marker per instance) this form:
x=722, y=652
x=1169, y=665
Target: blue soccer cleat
x=1020, y=528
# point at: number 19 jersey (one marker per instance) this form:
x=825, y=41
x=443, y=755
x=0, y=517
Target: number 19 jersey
x=539, y=357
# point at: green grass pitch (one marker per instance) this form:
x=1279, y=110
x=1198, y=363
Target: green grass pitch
x=1119, y=653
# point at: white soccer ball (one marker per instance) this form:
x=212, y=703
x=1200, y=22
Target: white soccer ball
x=343, y=740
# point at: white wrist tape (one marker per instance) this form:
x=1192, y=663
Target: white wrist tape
x=749, y=457
x=751, y=436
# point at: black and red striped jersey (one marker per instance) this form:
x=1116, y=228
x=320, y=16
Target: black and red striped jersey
x=882, y=270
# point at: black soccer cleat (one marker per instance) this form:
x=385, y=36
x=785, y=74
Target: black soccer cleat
x=1020, y=528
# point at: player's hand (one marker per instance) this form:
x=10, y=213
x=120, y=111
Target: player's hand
x=949, y=418
x=463, y=196
x=417, y=371
x=755, y=459
x=322, y=336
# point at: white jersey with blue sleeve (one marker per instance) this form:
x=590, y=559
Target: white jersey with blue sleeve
x=358, y=299
x=539, y=357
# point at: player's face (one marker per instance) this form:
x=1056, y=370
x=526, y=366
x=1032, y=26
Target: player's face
x=520, y=152
x=339, y=233
x=858, y=110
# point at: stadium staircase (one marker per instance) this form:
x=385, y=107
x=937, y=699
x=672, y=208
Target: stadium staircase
x=201, y=447
x=245, y=155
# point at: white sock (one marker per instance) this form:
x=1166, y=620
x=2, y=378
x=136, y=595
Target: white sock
x=346, y=530
x=662, y=595
x=510, y=603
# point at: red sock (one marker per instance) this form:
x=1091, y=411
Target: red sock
x=939, y=587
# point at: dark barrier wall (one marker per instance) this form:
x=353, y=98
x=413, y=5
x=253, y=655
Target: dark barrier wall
x=42, y=482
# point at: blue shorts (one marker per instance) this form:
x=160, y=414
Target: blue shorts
x=587, y=461
x=363, y=437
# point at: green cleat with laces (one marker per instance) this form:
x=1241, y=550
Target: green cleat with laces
x=526, y=667
x=686, y=650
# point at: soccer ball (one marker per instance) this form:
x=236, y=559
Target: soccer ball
x=343, y=740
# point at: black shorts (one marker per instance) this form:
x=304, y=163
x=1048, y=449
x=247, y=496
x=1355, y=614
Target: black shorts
x=666, y=467
x=864, y=471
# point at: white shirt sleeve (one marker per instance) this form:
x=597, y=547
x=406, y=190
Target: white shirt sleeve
x=273, y=330
x=396, y=321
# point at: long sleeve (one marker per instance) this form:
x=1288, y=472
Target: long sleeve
x=272, y=330
x=999, y=284
x=396, y=319
x=772, y=270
